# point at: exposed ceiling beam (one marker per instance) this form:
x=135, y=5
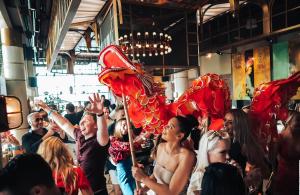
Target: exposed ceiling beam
x=4, y=16
x=57, y=37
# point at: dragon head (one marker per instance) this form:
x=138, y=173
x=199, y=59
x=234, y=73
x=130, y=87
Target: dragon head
x=123, y=76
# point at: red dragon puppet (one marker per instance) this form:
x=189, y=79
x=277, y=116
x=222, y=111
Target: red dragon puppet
x=269, y=104
x=147, y=107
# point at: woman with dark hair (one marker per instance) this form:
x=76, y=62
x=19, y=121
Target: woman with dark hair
x=195, y=136
x=288, y=154
x=222, y=179
x=245, y=150
x=173, y=163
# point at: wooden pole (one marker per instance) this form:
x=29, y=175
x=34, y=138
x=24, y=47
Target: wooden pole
x=130, y=135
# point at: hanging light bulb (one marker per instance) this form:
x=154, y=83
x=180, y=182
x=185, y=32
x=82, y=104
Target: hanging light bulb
x=137, y=55
x=208, y=55
x=145, y=44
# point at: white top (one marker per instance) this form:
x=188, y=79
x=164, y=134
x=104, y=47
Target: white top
x=195, y=182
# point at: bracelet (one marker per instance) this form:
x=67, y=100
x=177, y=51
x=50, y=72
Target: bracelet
x=99, y=115
x=50, y=112
x=17, y=148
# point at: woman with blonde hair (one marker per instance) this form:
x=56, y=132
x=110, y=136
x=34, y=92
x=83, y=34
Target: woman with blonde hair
x=213, y=147
x=67, y=177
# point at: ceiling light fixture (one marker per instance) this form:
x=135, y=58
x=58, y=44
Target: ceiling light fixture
x=146, y=44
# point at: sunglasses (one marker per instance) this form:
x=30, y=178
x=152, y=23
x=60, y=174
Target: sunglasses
x=220, y=134
x=38, y=119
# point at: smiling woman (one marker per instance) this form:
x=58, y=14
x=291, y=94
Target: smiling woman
x=174, y=163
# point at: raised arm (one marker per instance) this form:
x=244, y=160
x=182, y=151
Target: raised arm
x=61, y=121
x=97, y=108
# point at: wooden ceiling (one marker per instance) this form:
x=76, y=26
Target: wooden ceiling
x=88, y=10
x=86, y=13
x=176, y=4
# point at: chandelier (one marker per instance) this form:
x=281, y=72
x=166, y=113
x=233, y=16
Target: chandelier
x=145, y=44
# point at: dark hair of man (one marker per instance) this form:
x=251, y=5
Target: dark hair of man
x=222, y=179
x=70, y=107
x=113, y=106
x=24, y=172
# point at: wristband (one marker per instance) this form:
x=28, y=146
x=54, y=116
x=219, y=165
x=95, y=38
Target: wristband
x=99, y=115
x=17, y=148
x=50, y=112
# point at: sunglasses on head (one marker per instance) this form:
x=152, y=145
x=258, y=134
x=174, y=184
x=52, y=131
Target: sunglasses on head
x=220, y=134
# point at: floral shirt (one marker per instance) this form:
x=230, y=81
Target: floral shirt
x=120, y=150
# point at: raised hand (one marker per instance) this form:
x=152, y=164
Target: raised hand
x=13, y=140
x=42, y=105
x=96, y=104
x=9, y=139
x=54, y=127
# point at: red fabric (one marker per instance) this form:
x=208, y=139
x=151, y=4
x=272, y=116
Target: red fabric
x=216, y=125
x=287, y=178
x=209, y=95
x=270, y=104
x=120, y=150
x=147, y=108
x=81, y=182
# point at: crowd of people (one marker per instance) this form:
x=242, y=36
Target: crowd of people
x=188, y=157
